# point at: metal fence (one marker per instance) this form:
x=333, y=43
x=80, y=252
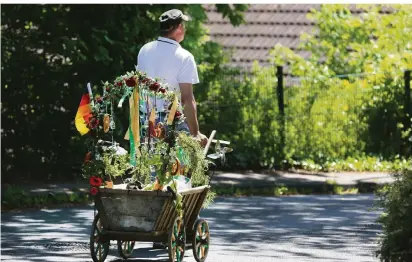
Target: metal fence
x=243, y=100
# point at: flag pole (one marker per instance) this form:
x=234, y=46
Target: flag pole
x=89, y=89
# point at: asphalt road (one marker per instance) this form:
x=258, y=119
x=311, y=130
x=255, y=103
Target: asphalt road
x=298, y=228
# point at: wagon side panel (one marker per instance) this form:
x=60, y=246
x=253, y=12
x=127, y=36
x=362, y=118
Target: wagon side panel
x=130, y=212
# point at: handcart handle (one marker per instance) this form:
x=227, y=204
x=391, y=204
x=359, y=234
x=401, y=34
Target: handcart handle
x=209, y=141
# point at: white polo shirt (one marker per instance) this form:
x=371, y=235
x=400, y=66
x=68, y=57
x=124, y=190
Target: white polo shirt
x=168, y=61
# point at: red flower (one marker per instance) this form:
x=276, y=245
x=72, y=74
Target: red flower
x=162, y=90
x=178, y=114
x=131, y=82
x=99, y=181
x=146, y=80
x=119, y=83
x=93, y=191
x=99, y=100
x=107, y=89
x=95, y=181
x=94, y=122
x=154, y=87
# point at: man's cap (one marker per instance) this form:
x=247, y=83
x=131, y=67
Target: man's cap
x=172, y=15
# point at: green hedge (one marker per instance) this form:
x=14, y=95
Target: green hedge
x=396, y=201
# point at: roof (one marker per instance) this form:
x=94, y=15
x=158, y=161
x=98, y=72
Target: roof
x=266, y=25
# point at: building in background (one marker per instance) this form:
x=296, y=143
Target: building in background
x=266, y=25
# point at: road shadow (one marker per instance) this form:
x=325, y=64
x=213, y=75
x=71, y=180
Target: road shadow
x=334, y=223
x=272, y=227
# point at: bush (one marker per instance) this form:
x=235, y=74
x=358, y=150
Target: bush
x=341, y=106
x=40, y=97
x=396, y=200
x=242, y=106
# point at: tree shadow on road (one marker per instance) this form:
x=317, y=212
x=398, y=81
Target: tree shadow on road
x=296, y=225
x=272, y=227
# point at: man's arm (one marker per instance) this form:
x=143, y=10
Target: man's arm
x=189, y=107
x=186, y=78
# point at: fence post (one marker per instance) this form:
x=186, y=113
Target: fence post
x=408, y=112
x=281, y=106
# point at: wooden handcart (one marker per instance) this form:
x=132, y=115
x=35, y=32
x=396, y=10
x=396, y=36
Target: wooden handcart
x=149, y=216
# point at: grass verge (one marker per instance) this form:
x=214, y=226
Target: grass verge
x=15, y=198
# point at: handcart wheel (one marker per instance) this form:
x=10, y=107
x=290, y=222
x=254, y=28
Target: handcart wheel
x=125, y=248
x=98, y=249
x=200, y=240
x=177, y=241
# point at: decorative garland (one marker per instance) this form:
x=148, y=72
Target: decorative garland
x=155, y=148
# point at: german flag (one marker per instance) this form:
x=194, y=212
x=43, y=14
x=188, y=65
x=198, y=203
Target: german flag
x=83, y=114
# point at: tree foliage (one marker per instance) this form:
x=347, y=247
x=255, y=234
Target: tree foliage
x=346, y=101
x=353, y=81
x=50, y=52
x=396, y=199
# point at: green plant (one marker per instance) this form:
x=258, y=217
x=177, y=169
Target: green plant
x=13, y=196
x=338, y=190
x=211, y=195
x=344, y=105
x=41, y=98
x=355, y=112
x=360, y=164
x=193, y=159
x=396, y=201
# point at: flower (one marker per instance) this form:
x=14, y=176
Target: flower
x=119, y=83
x=162, y=90
x=95, y=181
x=99, y=100
x=131, y=82
x=94, y=122
x=146, y=80
x=154, y=87
x=178, y=114
x=93, y=191
x=107, y=88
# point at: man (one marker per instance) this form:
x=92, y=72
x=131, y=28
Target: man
x=167, y=60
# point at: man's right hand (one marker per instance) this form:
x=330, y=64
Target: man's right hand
x=201, y=138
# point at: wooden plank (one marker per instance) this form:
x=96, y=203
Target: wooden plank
x=160, y=218
x=186, y=205
x=171, y=218
x=193, y=190
x=163, y=220
x=190, y=208
x=196, y=210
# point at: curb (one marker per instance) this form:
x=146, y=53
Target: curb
x=295, y=189
x=37, y=199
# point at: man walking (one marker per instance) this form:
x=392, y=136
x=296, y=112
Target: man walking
x=167, y=60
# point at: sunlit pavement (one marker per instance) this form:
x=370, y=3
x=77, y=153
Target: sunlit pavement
x=297, y=228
